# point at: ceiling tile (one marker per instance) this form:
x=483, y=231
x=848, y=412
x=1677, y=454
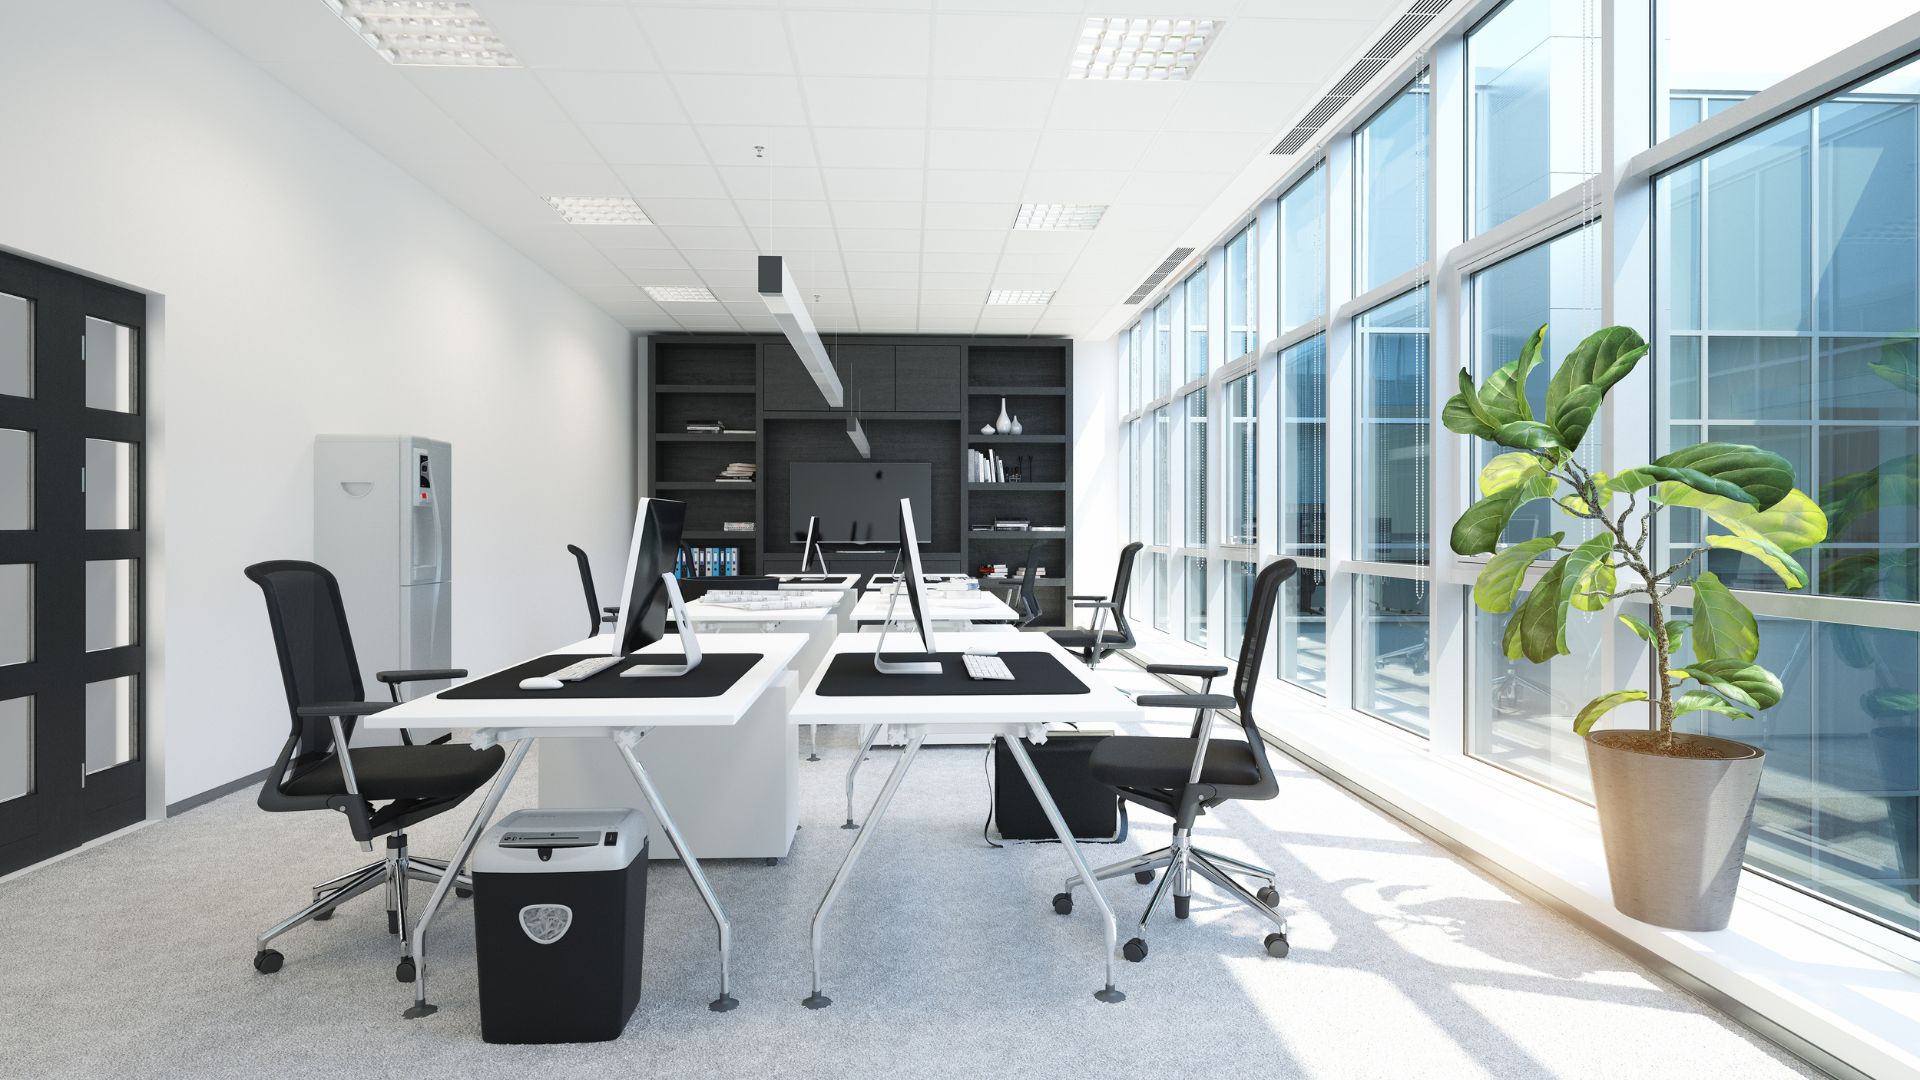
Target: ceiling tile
x=1072, y=186
x=551, y=35
x=1231, y=150
x=870, y=148
x=995, y=104
x=709, y=38
x=1094, y=105
x=943, y=281
x=960, y=262
x=647, y=144
x=1281, y=50
x=1004, y=45
x=668, y=213
x=877, y=215
x=509, y=112
x=772, y=100
x=708, y=237
x=788, y=238
x=1172, y=188
x=784, y=185
x=952, y=215
x=856, y=102
x=781, y=147
x=628, y=237
x=860, y=43
x=1090, y=150
x=974, y=185
x=614, y=97
x=886, y=261
x=645, y=259
x=1266, y=108
x=546, y=178
x=878, y=240
x=669, y=181
x=974, y=149
x=964, y=240
x=878, y=185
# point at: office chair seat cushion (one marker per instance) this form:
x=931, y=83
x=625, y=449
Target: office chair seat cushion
x=404, y=772
x=1135, y=761
x=1080, y=639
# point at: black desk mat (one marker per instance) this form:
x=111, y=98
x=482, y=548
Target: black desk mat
x=852, y=675
x=715, y=676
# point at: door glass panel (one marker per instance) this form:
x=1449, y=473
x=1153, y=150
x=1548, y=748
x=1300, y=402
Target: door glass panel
x=109, y=723
x=109, y=350
x=16, y=479
x=109, y=484
x=16, y=613
x=16, y=748
x=16, y=346
x=110, y=593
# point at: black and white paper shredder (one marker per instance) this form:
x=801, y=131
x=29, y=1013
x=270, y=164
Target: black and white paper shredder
x=559, y=909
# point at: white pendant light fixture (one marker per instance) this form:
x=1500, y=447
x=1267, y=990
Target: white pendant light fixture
x=858, y=435
x=783, y=300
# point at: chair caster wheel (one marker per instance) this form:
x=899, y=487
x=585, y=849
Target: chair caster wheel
x=404, y=970
x=1277, y=945
x=324, y=916
x=1268, y=895
x=463, y=892
x=1144, y=877
x=393, y=922
x=1063, y=903
x=268, y=961
x=1135, y=950
x=1180, y=905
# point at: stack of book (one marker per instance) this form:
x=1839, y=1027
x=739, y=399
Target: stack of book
x=705, y=427
x=1004, y=524
x=739, y=472
x=990, y=468
x=710, y=562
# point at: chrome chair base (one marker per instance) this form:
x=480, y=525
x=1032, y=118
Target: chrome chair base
x=1181, y=861
x=392, y=874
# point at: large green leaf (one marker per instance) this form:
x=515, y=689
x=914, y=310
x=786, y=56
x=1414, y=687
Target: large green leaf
x=1600, y=706
x=1576, y=414
x=1595, y=591
x=1791, y=524
x=1506, y=471
x=1786, y=566
x=1478, y=530
x=1604, y=358
x=1538, y=630
x=1528, y=435
x=1649, y=475
x=1506, y=389
x=1676, y=630
x=1486, y=416
x=1764, y=475
x=1897, y=366
x=1741, y=683
x=1459, y=418
x=1500, y=581
x=1640, y=629
x=1706, y=701
x=1723, y=628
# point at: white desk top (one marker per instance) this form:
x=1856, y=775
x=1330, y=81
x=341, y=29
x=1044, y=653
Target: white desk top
x=872, y=608
x=1102, y=704
x=703, y=612
x=879, y=580
x=557, y=714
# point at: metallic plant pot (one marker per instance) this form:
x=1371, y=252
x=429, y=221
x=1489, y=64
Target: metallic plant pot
x=1675, y=828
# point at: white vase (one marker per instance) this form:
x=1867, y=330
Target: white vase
x=986, y=429
x=1003, y=425
x=1017, y=429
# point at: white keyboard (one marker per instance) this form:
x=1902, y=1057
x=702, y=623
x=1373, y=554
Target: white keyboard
x=585, y=669
x=986, y=667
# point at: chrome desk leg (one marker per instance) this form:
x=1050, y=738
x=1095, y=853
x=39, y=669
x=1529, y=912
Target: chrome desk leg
x=1040, y=793
x=813, y=742
x=626, y=740
x=818, y=1000
x=854, y=770
x=480, y=818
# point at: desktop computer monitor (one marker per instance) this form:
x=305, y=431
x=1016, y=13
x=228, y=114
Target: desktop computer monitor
x=811, y=552
x=916, y=588
x=651, y=588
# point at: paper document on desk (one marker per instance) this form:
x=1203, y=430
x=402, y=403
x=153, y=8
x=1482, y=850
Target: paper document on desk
x=756, y=600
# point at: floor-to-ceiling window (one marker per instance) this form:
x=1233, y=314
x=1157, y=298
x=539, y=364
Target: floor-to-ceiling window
x=1390, y=155
x=1243, y=308
x=1194, y=294
x=1536, y=125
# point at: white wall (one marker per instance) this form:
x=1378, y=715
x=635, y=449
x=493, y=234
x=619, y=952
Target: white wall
x=1098, y=500
x=303, y=284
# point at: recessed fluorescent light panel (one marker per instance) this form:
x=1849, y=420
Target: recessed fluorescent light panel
x=1142, y=50
x=1020, y=296
x=426, y=33
x=598, y=210
x=1049, y=216
x=680, y=294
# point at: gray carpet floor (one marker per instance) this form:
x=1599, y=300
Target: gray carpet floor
x=945, y=960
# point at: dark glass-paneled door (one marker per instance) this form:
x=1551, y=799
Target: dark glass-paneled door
x=72, y=547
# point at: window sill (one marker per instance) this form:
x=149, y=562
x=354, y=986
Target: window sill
x=1843, y=999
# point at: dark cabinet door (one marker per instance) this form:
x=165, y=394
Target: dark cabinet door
x=866, y=371
x=927, y=378
x=787, y=386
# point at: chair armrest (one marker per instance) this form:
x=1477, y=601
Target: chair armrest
x=344, y=708
x=1186, y=701
x=420, y=675
x=1090, y=602
x=1086, y=598
x=1197, y=671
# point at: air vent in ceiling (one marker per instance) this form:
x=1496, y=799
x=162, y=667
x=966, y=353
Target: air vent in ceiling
x=1390, y=45
x=1159, y=274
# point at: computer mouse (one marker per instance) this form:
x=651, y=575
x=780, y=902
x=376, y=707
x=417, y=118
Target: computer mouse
x=541, y=682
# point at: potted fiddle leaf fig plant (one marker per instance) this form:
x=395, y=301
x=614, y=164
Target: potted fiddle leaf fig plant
x=1674, y=807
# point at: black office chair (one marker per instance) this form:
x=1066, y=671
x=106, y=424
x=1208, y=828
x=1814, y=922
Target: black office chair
x=1096, y=643
x=324, y=699
x=1183, y=778
x=597, y=616
x=1023, y=599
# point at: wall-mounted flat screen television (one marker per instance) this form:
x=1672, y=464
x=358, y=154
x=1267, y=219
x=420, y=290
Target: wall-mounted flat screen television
x=858, y=502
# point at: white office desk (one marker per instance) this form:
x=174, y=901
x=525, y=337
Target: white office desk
x=947, y=614
x=1013, y=716
x=821, y=625
x=517, y=722
x=840, y=581
x=882, y=580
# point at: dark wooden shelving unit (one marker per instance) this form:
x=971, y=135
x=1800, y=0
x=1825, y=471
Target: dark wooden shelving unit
x=919, y=399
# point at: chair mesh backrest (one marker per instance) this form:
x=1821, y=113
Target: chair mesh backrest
x=317, y=663
x=1253, y=643
x=1028, y=599
x=1122, y=582
x=586, y=585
